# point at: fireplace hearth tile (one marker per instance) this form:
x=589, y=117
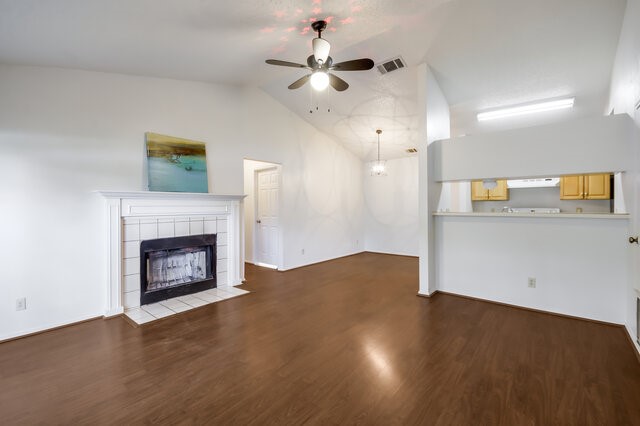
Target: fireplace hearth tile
x=175, y=305
x=139, y=316
x=155, y=311
x=192, y=301
x=234, y=291
x=221, y=294
x=207, y=297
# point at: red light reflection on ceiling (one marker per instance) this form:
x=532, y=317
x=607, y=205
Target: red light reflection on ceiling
x=294, y=20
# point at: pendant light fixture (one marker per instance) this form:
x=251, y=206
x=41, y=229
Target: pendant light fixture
x=378, y=167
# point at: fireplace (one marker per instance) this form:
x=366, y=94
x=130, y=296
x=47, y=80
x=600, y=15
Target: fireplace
x=172, y=267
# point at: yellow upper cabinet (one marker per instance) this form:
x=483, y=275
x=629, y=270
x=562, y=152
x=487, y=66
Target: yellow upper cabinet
x=480, y=193
x=571, y=188
x=500, y=192
x=588, y=187
x=597, y=187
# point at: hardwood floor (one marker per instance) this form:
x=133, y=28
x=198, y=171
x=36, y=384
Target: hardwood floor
x=341, y=342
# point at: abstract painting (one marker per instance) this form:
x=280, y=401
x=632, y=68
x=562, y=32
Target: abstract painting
x=175, y=164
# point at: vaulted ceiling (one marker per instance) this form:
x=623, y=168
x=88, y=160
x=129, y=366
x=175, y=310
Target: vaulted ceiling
x=485, y=53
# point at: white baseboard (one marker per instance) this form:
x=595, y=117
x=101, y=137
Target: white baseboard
x=114, y=312
x=319, y=261
x=392, y=253
x=48, y=327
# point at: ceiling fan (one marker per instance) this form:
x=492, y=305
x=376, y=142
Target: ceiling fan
x=320, y=63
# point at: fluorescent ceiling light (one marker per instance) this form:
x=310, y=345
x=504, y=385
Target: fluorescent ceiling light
x=526, y=109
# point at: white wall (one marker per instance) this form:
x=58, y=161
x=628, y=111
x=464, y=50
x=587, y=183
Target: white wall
x=624, y=94
x=434, y=124
x=322, y=204
x=588, y=145
x=65, y=133
x=391, y=214
x=250, y=168
x=579, y=264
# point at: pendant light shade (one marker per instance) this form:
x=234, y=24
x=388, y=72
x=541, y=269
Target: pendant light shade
x=378, y=167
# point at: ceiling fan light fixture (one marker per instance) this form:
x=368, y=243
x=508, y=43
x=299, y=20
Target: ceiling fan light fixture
x=319, y=80
x=321, y=48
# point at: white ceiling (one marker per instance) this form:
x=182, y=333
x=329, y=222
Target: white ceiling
x=485, y=53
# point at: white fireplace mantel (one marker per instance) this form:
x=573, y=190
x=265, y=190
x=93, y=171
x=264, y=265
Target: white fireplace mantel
x=120, y=206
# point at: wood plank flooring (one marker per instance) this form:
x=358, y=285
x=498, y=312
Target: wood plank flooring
x=342, y=342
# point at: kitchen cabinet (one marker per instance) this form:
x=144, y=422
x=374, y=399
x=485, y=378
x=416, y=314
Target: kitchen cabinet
x=480, y=193
x=585, y=187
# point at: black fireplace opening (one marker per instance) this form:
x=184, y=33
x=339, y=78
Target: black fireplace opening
x=172, y=267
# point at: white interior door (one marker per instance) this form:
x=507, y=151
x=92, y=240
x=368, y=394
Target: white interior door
x=267, y=216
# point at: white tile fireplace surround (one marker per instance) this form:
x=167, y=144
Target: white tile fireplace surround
x=132, y=217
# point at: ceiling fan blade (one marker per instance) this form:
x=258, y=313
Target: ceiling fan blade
x=337, y=83
x=354, y=65
x=285, y=63
x=299, y=82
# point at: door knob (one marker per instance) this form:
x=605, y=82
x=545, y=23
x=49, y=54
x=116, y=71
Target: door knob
x=259, y=221
x=633, y=240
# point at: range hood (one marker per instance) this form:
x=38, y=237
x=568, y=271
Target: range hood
x=533, y=183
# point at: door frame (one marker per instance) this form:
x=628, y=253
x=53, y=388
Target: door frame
x=280, y=251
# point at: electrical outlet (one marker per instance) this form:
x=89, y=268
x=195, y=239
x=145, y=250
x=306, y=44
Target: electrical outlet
x=532, y=282
x=21, y=304
x=302, y=251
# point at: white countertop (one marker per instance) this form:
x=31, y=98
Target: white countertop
x=538, y=215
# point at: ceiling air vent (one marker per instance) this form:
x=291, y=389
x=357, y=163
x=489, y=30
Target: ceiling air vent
x=412, y=150
x=391, y=65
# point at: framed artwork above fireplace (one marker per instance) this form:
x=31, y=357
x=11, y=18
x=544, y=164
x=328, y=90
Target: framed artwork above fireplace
x=176, y=164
